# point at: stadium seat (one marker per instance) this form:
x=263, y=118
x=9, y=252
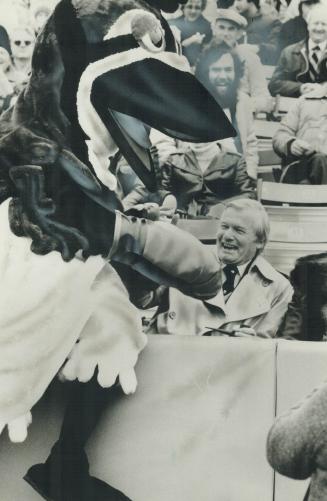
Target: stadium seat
x=296, y=230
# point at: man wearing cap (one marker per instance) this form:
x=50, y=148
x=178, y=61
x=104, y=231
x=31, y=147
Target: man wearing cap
x=254, y=296
x=302, y=67
x=229, y=26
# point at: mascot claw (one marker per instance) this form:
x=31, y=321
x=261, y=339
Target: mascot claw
x=17, y=428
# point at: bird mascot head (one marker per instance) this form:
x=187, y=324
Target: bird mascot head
x=103, y=73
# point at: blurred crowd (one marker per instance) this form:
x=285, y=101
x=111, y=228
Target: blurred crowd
x=20, y=23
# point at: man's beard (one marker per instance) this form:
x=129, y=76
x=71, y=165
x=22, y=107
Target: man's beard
x=228, y=98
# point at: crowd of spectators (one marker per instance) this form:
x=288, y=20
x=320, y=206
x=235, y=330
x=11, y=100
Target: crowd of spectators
x=20, y=23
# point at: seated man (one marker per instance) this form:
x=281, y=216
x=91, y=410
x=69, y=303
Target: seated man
x=263, y=29
x=254, y=296
x=229, y=27
x=302, y=66
x=295, y=29
x=301, y=141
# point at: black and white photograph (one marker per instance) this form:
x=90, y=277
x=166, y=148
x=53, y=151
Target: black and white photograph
x=163, y=250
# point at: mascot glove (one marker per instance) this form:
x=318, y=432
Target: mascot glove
x=17, y=428
x=82, y=365
x=111, y=340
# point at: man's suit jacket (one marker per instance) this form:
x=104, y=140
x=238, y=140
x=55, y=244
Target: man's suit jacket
x=292, y=70
x=259, y=301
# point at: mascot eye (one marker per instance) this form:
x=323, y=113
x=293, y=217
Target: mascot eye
x=148, y=32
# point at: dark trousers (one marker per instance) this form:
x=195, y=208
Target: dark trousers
x=311, y=170
x=86, y=404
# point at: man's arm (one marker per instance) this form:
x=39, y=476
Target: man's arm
x=283, y=79
x=287, y=130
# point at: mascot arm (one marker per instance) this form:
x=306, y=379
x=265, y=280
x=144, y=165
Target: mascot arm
x=157, y=250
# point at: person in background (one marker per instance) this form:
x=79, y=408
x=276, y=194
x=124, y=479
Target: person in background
x=294, y=30
x=203, y=176
x=254, y=296
x=40, y=13
x=22, y=46
x=193, y=29
x=297, y=446
x=220, y=70
x=301, y=140
x=263, y=29
x=8, y=90
x=293, y=9
x=302, y=67
x=305, y=319
x=229, y=27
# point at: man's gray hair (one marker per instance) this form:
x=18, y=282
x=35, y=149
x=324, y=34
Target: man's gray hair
x=262, y=228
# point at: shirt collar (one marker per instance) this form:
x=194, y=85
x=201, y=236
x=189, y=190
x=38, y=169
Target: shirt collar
x=322, y=45
x=242, y=267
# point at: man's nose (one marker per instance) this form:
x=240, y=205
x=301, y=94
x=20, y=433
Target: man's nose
x=228, y=234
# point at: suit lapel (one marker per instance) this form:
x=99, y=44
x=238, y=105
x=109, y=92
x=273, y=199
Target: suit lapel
x=248, y=299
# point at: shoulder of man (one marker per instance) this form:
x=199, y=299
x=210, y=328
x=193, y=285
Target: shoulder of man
x=269, y=273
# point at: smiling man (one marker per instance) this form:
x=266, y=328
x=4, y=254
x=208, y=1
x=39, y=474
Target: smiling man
x=254, y=296
x=302, y=67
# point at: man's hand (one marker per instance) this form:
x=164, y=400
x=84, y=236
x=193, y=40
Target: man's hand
x=249, y=332
x=245, y=332
x=197, y=38
x=300, y=148
x=310, y=87
x=253, y=47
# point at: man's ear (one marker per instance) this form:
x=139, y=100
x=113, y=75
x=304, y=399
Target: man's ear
x=260, y=246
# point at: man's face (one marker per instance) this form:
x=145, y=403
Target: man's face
x=237, y=242
x=222, y=74
x=317, y=29
x=22, y=44
x=192, y=10
x=241, y=6
x=226, y=31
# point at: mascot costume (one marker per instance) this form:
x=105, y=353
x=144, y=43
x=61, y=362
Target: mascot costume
x=103, y=73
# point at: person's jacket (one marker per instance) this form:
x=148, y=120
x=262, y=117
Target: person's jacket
x=306, y=315
x=263, y=30
x=197, y=190
x=306, y=120
x=292, y=71
x=297, y=446
x=259, y=301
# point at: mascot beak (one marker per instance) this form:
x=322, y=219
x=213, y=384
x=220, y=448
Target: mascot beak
x=145, y=84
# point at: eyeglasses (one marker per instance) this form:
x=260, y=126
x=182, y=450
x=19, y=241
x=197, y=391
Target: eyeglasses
x=21, y=42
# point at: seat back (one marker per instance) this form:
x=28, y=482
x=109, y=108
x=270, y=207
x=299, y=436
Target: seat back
x=269, y=192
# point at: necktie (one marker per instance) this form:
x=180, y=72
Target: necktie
x=314, y=63
x=230, y=271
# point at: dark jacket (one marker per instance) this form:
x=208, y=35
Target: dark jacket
x=197, y=191
x=263, y=30
x=292, y=71
x=187, y=29
x=306, y=314
x=292, y=31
